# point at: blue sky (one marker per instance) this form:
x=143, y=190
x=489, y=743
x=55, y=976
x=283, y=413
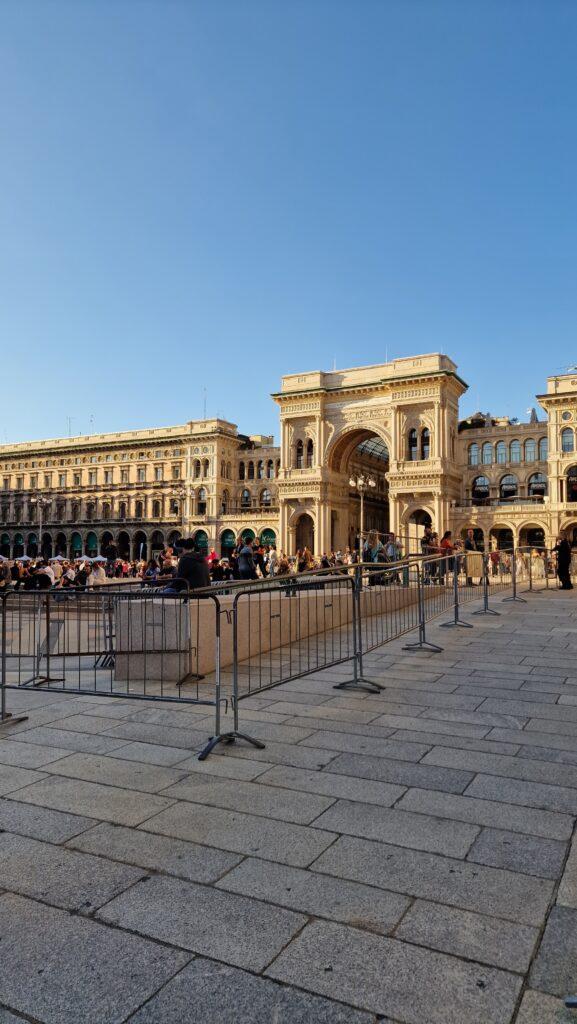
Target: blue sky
x=209, y=195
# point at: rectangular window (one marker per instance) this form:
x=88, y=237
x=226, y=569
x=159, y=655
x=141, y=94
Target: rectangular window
x=19, y=483
x=176, y=472
x=93, y=458
x=158, y=473
x=107, y=476
x=62, y=480
x=141, y=474
x=123, y=476
x=92, y=477
x=77, y=479
x=34, y=481
x=48, y=479
x=6, y=483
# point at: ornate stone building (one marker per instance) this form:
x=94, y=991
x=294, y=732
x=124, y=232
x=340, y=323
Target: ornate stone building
x=395, y=424
x=138, y=490
x=513, y=483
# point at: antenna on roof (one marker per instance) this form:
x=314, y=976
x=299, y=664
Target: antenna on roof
x=334, y=363
x=69, y=425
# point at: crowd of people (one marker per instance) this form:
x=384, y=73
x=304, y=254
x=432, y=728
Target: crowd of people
x=251, y=560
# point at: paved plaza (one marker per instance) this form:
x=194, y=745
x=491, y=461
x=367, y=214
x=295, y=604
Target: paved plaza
x=403, y=858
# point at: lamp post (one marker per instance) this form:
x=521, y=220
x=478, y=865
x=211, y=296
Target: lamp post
x=361, y=484
x=41, y=503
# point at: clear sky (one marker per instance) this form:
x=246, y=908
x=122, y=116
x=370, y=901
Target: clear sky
x=211, y=194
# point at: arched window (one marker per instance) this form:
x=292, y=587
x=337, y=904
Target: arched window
x=515, y=451
x=245, y=499
x=473, y=454
x=174, y=507
x=106, y=510
x=480, y=490
x=225, y=502
x=90, y=511
x=412, y=446
x=156, y=510
x=196, y=469
x=223, y=469
x=270, y=470
x=509, y=487
x=265, y=497
x=543, y=449
x=138, y=510
x=537, y=485
x=241, y=471
x=425, y=443
x=310, y=451
x=501, y=451
x=299, y=455
x=228, y=471
x=530, y=450
x=201, y=501
x=277, y=467
x=251, y=471
x=567, y=440
x=260, y=470
x=205, y=467
x=122, y=510
x=487, y=453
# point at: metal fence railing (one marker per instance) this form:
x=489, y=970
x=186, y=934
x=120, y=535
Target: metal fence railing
x=220, y=645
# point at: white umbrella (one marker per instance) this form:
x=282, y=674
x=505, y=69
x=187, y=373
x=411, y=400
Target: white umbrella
x=58, y=558
x=24, y=558
x=99, y=558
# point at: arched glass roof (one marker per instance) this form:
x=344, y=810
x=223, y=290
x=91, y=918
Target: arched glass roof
x=374, y=447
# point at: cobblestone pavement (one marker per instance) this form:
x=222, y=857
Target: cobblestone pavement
x=402, y=857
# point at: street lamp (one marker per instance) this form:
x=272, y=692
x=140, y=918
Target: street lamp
x=361, y=484
x=41, y=503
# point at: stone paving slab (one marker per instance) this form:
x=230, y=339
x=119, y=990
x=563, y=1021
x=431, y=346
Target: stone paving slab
x=537, y=1008
x=231, y=996
x=362, y=906
x=106, y=803
x=457, y=883
x=227, y=767
x=554, y=970
x=29, y=755
x=527, y=794
x=292, y=844
x=381, y=769
x=235, y=795
x=567, y=895
x=156, y=852
x=418, y=831
x=434, y=739
x=63, y=969
x=473, y=936
x=114, y=771
x=40, y=822
x=528, y=854
x=12, y=779
x=390, y=977
x=69, y=740
x=345, y=787
x=61, y=877
x=380, y=746
x=505, y=767
x=222, y=925
x=492, y=813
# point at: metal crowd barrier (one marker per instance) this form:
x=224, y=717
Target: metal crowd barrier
x=240, y=638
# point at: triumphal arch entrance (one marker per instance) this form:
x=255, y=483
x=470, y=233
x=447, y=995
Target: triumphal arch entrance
x=372, y=443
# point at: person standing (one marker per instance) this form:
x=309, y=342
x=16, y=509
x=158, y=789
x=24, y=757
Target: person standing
x=563, y=550
x=246, y=566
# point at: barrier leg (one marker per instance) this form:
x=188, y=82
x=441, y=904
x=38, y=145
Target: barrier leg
x=6, y=718
x=233, y=734
x=422, y=644
x=485, y=610
x=358, y=682
x=514, y=597
x=456, y=621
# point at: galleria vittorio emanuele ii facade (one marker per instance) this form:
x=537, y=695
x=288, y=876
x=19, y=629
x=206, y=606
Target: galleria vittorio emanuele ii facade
x=396, y=424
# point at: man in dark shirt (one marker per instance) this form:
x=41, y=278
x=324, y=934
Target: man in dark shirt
x=246, y=566
x=192, y=566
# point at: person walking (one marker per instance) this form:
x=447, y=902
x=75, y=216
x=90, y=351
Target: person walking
x=473, y=562
x=246, y=566
x=563, y=551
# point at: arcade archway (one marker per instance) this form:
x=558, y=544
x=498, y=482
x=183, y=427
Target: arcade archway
x=360, y=500
x=305, y=532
